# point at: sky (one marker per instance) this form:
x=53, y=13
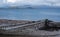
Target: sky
x=54, y=3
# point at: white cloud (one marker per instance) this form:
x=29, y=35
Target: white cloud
x=35, y=2
x=11, y=1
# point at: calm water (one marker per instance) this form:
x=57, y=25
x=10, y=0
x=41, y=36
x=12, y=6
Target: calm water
x=30, y=14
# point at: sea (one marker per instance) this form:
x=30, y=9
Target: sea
x=30, y=14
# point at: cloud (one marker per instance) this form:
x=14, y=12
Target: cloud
x=33, y=2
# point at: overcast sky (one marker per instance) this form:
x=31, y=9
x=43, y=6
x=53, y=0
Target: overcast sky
x=29, y=2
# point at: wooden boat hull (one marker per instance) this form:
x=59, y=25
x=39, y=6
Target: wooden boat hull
x=31, y=32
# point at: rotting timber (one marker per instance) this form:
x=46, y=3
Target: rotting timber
x=31, y=28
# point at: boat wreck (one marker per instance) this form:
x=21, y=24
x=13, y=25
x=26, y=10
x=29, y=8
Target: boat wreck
x=34, y=28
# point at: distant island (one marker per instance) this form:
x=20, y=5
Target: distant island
x=28, y=6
